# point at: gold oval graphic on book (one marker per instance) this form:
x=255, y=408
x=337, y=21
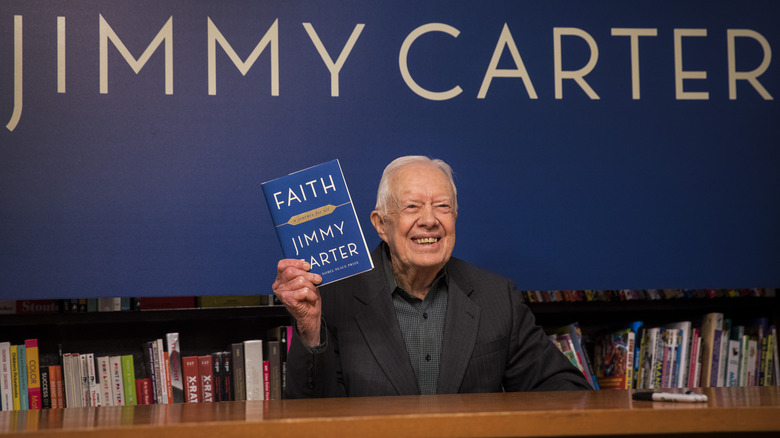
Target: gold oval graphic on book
x=313, y=214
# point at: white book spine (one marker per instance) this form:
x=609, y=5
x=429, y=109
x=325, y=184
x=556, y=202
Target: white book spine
x=174, y=359
x=253, y=369
x=104, y=381
x=94, y=388
x=163, y=371
x=117, y=384
x=732, y=371
x=5, y=376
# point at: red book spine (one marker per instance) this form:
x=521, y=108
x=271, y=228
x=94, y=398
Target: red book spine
x=189, y=366
x=143, y=389
x=206, y=379
x=266, y=381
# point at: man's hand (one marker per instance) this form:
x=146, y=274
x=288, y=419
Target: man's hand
x=296, y=288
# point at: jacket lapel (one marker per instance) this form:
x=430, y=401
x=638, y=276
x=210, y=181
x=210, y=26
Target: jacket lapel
x=379, y=326
x=460, y=333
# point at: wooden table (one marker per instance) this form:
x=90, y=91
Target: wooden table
x=747, y=411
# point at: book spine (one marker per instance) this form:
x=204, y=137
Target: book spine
x=227, y=373
x=190, y=371
x=6, y=392
x=266, y=381
x=128, y=379
x=104, y=378
x=154, y=373
x=117, y=380
x=253, y=369
x=33, y=374
x=96, y=398
x=206, y=374
x=239, y=379
x=56, y=387
x=216, y=372
x=143, y=390
x=275, y=371
x=45, y=392
x=174, y=358
x=24, y=395
x=163, y=371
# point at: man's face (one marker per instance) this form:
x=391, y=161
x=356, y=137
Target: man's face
x=420, y=224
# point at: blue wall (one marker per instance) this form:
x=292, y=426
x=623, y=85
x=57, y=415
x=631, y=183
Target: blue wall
x=140, y=186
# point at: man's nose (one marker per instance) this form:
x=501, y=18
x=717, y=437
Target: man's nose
x=427, y=215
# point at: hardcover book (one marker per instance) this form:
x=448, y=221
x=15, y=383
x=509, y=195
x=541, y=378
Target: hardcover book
x=315, y=221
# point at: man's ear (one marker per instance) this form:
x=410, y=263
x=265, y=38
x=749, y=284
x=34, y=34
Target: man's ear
x=379, y=224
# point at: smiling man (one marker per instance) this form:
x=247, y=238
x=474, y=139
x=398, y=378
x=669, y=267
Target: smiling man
x=420, y=322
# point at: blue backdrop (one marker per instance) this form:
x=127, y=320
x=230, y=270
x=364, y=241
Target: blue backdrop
x=576, y=168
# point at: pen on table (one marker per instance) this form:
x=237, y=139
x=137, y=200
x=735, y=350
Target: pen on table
x=689, y=397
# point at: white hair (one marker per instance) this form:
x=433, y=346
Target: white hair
x=384, y=194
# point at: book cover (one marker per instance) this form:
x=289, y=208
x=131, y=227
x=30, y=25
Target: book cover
x=56, y=387
x=217, y=376
x=33, y=374
x=614, y=359
x=45, y=389
x=162, y=379
x=6, y=394
x=683, y=357
x=316, y=222
x=228, y=385
x=266, y=381
x=190, y=371
x=206, y=375
x=96, y=398
x=174, y=361
x=733, y=363
x=253, y=369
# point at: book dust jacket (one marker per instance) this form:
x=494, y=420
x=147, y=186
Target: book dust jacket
x=316, y=222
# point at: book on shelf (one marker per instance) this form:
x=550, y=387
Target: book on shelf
x=206, y=377
x=274, y=370
x=711, y=326
x=103, y=369
x=174, y=360
x=253, y=369
x=315, y=221
x=33, y=373
x=6, y=395
x=191, y=373
x=117, y=380
x=239, y=374
x=143, y=391
x=614, y=354
x=128, y=379
x=45, y=390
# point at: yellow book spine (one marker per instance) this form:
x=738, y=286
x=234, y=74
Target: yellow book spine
x=15, y=378
x=33, y=374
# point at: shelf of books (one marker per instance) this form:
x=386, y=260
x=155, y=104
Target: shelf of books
x=665, y=339
x=159, y=351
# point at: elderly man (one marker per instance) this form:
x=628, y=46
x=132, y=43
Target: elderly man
x=420, y=322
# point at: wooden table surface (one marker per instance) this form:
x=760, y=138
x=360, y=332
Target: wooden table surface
x=737, y=411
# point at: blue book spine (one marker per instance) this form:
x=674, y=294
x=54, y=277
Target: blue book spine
x=316, y=222
x=24, y=399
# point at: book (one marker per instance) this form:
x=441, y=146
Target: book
x=647, y=353
x=6, y=395
x=683, y=357
x=117, y=380
x=104, y=379
x=239, y=376
x=253, y=369
x=274, y=370
x=174, y=360
x=732, y=369
x=14, y=363
x=56, y=387
x=712, y=323
x=33, y=374
x=217, y=376
x=45, y=389
x=228, y=385
x=153, y=368
x=614, y=364
x=143, y=391
x=206, y=376
x=191, y=373
x=24, y=395
x=128, y=379
x=315, y=221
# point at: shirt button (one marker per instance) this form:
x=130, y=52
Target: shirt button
x=428, y=357
x=425, y=315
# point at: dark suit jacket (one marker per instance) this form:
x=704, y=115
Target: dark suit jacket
x=491, y=342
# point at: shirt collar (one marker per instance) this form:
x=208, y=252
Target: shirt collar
x=392, y=283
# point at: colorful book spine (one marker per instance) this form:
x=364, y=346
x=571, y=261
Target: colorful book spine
x=117, y=380
x=6, y=394
x=24, y=395
x=33, y=374
x=174, y=359
x=206, y=375
x=190, y=371
x=15, y=389
x=128, y=379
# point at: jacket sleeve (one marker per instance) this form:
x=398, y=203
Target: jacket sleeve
x=314, y=372
x=534, y=363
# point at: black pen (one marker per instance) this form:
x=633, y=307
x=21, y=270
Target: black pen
x=689, y=397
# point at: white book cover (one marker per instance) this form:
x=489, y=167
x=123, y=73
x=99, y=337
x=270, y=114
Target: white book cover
x=163, y=371
x=5, y=376
x=743, y=357
x=724, y=353
x=104, y=381
x=648, y=358
x=117, y=381
x=94, y=387
x=751, y=362
x=253, y=369
x=732, y=371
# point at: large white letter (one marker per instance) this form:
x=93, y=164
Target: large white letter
x=577, y=75
x=61, y=54
x=425, y=28
x=634, y=34
x=271, y=37
x=334, y=68
x=165, y=34
x=749, y=76
x=17, y=114
x=679, y=74
x=505, y=40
